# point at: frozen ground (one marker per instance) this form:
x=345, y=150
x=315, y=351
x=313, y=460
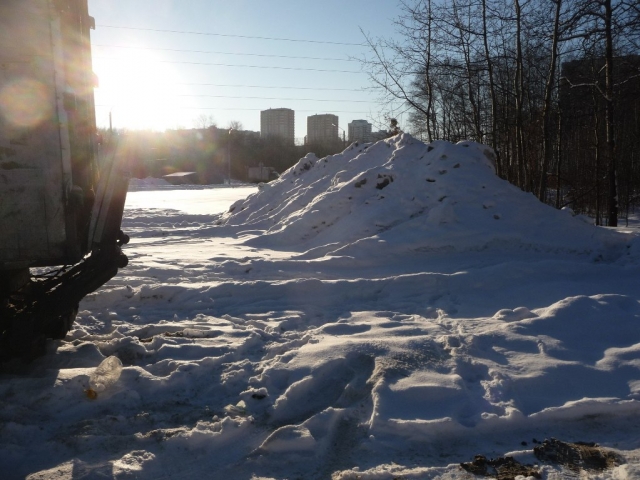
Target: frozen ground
x=388, y=312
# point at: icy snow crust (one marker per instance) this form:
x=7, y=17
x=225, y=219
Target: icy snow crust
x=387, y=312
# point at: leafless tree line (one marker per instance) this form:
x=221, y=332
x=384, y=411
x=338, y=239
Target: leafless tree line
x=552, y=85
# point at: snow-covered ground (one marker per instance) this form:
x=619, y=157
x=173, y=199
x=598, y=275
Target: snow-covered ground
x=387, y=312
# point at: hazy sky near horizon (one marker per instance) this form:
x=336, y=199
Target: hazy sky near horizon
x=168, y=63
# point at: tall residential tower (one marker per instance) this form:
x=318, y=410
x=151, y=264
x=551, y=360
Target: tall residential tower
x=278, y=122
x=322, y=129
x=359, y=131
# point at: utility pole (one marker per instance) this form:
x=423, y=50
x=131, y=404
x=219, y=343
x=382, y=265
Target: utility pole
x=344, y=141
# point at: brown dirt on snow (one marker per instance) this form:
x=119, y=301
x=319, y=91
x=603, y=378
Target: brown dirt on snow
x=502, y=468
x=575, y=456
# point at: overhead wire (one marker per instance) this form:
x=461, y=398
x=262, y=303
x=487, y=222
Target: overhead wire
x=242, y=109
x=102, y=45
x=244, y=66
x=233, y=36
x=236, y=65
x=271, y=86
x=274, y=98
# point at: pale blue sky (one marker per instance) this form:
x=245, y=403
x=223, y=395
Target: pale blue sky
x=146, y=87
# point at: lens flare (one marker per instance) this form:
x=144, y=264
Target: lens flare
x=24, y=103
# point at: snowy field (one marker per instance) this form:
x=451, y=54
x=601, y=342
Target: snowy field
x=384, y=313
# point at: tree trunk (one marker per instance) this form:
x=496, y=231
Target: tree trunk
x=611, y=144
x=546, y=119
x=519, y=90
x=559, y=162
x=428, y=80
x=596, y=129
x=492, y=89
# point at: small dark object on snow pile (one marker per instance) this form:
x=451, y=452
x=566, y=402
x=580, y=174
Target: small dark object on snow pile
x=385, y=181
x=577, y=456
x=360, y=183
x=502, y=468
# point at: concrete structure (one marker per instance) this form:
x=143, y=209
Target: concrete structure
x=278, y=122
x=182, y=178
x=262, y=173
x=323, y=129
x=359, y=131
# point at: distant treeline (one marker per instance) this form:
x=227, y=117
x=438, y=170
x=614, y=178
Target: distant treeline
x=209, y=152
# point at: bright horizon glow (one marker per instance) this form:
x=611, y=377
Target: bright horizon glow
x=156, y=73
x=144, y=95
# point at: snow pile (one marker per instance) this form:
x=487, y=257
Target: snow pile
x=437, y=196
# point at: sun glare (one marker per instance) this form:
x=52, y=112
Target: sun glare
x=23, y=102
x=136, y=88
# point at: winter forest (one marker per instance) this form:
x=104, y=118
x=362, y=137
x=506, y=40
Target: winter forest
x=552, y=85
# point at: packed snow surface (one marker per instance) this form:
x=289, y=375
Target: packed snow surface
x=386, y=312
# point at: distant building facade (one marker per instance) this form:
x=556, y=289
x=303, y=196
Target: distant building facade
x=359, y=131
x=322, y=129
x=278, y=122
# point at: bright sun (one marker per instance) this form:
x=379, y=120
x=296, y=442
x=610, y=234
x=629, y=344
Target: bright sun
x=136, y=88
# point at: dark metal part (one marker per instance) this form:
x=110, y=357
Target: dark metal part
x=47, y=308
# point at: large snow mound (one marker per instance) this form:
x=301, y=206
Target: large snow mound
x=437, y=196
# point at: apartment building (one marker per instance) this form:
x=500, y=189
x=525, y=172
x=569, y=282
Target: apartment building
x=359, y=131
x=322, y=129
x=278, y=122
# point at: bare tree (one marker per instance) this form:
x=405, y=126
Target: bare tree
x=488, y=70
x=519, y=97
x=204, y=121
x=492, y=88
x=547, y=112
x=235, y=125
x=608, y=95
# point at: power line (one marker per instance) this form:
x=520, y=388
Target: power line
x=223, y=53
x=271, y=86
x=245, y=66
x=233, y=36
x=237, y=85
x=238, y=109
x=278, y=98
x=244, y=97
